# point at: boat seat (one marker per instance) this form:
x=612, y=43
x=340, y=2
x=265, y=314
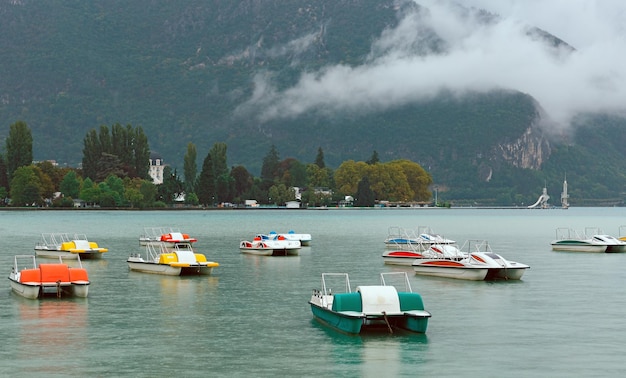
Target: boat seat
x=54, y=272
x=78, y=274
x=177, y=236
x=82, y=245
x=30, y=275
x=347, y=302
x=410, y=301
x=167, y=258
x=186, y=257
x=378, y=299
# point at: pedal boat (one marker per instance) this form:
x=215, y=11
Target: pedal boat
x=270, y=245
x=48, y=279
x=55, y=245
x=369, y=307
x=479, y=263
x=180, y=261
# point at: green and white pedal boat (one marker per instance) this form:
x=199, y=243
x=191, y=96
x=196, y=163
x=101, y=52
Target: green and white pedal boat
x=369, y=307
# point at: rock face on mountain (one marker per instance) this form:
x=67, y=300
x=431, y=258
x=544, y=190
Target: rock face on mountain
x=530, y=150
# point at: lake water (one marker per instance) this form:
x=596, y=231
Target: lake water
x=251, y=316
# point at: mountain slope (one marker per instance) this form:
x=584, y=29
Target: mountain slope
x=234, y=71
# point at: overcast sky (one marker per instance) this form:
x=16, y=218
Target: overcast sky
x=479, y=58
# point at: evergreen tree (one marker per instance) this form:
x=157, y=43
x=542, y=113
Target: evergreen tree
x=243, y=180
x=374, y=159
x=190, y=168
x=224, y=187
x=19, y=147
x=218, y=155
x=171, y=187
x=319, y=159
x=4, y=179
x=269, y=169
x=123, y=152
x=141, y=153
x=206, y=182
x=365, y=196
x=91, y=154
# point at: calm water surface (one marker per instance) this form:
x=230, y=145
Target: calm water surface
x=251, y=317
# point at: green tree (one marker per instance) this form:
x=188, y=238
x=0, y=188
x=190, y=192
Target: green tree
x=417, y=178
x=25, y=187
x=134, y=197
x=206, y=182
x=374, y=159
x=190, y=168
x=269, y=169
x=70, y=185
x=218, y=155
x=298, y=174
x=116, y=185
x=90, y=192
x=123, y=152
x=46, y=186
x=365, y=196
x=243, y=180
x=319, y=159
x=318, y=177
x=4, y=179
x=19, y=147
x=91, y=154
x=149, y=192
x=348, y=175
x=141, y=152
x=224, y=187
x=171, y=186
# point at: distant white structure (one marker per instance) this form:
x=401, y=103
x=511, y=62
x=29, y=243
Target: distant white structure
x=251, y=203
x=564, y=195
x=542, y=202
x=292, y=204
x=156, y=168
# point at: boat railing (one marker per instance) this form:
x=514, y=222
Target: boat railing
x=591, y=231
x=568, y=233
x=154, y=233
x=153, y=251
x=30, y=262
x=183, y=247
x=50, y=240
x=476, y=245
x=22, y=262
x=335, y=278
x=80, y=237
x=398, y=280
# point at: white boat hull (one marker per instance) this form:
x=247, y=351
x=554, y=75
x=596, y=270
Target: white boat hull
x=67, y=255
x=26, y=291
x=461, y=273
x=34, y=291
x=404, y=258
x=168, y=270
x=579, y=247
x=270, y=247
x=505, y=273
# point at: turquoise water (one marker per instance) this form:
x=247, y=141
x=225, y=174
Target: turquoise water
x=251, y=317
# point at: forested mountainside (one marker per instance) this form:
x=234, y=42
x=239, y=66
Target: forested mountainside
x=256, y=73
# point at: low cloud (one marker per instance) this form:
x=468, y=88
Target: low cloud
x=475, y=56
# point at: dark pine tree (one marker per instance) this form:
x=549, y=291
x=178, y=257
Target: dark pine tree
x=365, y=196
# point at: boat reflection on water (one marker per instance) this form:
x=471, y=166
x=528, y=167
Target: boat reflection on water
x=374, y=353
x=51, y=331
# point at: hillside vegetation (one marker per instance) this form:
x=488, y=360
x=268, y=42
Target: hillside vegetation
x=182, y=70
